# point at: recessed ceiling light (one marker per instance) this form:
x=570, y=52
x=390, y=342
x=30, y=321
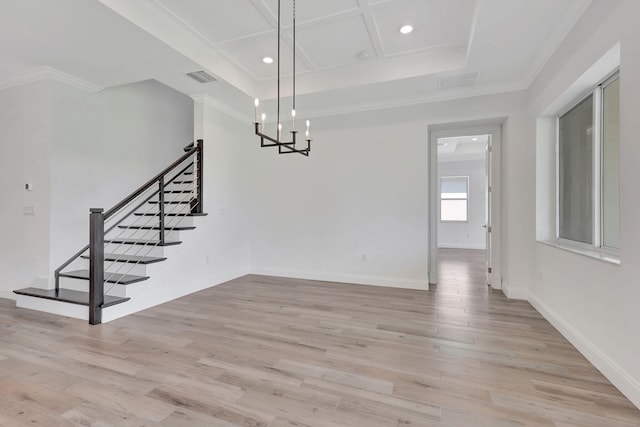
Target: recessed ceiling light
x=267, y=60
x=406, y=29
x=474, y=139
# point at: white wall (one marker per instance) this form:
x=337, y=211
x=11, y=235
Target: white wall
x=25, y=129
x=222, y=244
x=518, y=205
x=592, y=302
x=218, y=250
x=363, y=191
x=469, y=234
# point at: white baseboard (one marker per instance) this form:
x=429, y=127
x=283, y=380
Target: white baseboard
x=514, y=293
x=462, y=246
x=347, y=278
x=7, y=294
x=59, y=308
x=627, y=384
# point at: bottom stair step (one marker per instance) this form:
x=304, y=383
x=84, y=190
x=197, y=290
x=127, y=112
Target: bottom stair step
x=121, y=279
x=67, y=295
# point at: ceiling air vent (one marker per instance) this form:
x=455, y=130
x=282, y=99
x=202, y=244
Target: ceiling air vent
x=457, y=81
x=201, y=76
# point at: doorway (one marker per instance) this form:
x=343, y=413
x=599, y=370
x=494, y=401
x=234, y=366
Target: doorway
x=464, y=200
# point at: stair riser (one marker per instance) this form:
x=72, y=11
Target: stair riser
x=118, y=267
x=142, y=234
x=152, y=251
x=126, y=268
x=181, y=197
x=57, y=307
x=180, y=221
x=189, y=187
x=54, y=307
x=83, y=285
x=169, y=209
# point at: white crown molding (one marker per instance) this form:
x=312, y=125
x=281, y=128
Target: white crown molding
x=409, y=101
x=47, y=73
x=209, y=101
x=337, y=110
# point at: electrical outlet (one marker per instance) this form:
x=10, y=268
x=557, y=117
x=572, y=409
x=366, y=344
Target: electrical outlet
x=364, y=257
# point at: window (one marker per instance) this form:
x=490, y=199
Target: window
x=588, y=168
x=454, y=195
x=576, y=173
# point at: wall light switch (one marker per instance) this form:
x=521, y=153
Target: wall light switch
x=29, y=210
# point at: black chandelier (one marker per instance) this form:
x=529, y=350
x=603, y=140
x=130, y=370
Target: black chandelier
x=283, y=147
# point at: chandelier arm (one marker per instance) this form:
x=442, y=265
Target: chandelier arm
x=286, y=149
x=263, y=136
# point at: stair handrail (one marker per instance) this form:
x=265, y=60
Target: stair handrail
x=96, y=298
x=152, y=181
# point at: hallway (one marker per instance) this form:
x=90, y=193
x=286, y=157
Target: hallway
x=462, y=271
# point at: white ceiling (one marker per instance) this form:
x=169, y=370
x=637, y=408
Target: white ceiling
x=462, y=148
x=458, y=48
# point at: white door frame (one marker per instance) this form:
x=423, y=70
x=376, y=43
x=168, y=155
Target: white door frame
x=492, y=127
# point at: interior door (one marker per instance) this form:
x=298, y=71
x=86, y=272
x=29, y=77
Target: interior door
x=487, y=225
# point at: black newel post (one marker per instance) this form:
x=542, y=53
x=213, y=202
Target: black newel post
x=161, y=212
x=96, y=265
x=199, y=208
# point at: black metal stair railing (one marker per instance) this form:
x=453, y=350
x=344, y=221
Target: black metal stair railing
x=159, y=216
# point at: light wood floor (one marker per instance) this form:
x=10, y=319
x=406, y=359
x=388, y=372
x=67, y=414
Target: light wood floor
x=263, y=351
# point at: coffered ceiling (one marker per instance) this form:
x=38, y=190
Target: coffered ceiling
x=330, y=34
x=349, y=52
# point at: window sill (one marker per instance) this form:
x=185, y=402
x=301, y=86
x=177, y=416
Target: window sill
x=591, y=253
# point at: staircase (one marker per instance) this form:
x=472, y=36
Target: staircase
x=124, y=243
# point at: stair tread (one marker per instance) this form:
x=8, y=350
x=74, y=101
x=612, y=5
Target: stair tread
x=182, y=182
x=119, y=278
x=147, y=227
x=143, y=242
x=185, y=214
x=178, y=191
x=171, y=202
x=132, y=259
x=68, y=295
